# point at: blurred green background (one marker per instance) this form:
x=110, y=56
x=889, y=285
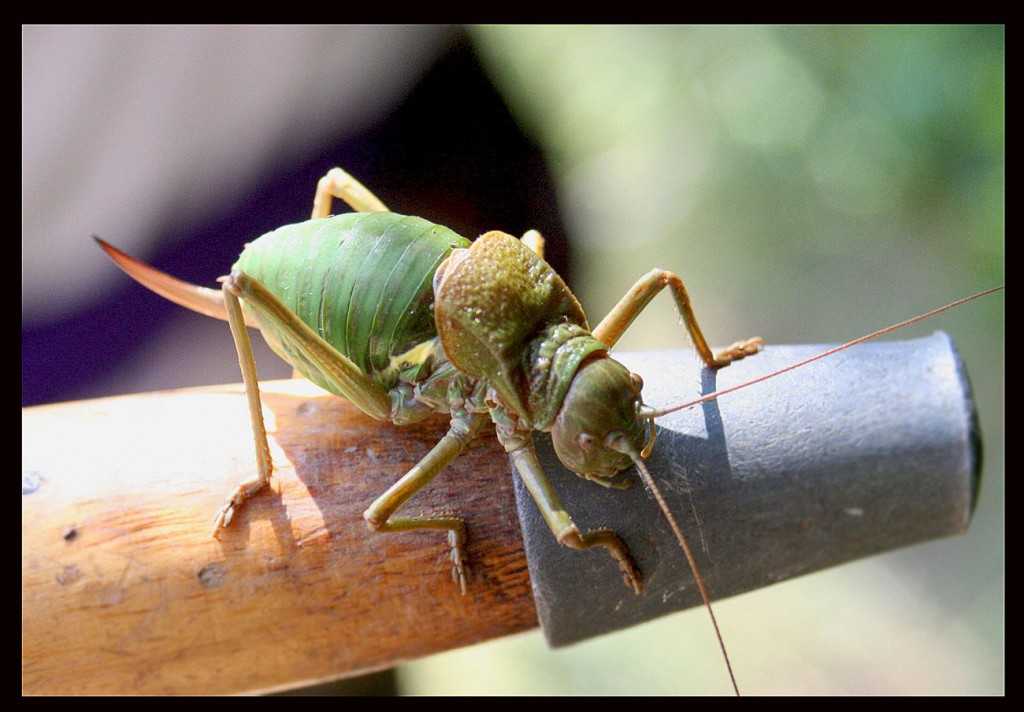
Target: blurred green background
x=810, y=184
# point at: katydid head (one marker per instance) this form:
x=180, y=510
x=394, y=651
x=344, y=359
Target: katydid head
x=598, y=426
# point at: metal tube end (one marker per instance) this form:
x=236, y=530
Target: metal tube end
x=871, y=449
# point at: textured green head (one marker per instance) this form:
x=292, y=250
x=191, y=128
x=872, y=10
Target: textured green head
x=599, y=410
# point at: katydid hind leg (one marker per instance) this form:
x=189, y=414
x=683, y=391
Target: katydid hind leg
x=247, y=363
x=337, y=183
x=641, y=294
x=325, y=365
x=336, y=371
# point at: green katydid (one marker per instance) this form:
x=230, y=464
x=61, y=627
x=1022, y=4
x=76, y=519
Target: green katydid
x=405, y=318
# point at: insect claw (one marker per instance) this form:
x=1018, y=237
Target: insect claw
x=631, y=576
x=223, y=518
x=461, y=573
x=462, y=576
x=741, y=349
x=236, y=500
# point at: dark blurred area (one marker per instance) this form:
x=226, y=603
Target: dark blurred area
x=450, y=152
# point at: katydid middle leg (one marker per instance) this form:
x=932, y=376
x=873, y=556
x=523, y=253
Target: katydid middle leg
x=380, y=515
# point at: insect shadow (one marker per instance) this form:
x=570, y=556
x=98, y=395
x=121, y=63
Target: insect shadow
x=333, y=461
x=805, y=471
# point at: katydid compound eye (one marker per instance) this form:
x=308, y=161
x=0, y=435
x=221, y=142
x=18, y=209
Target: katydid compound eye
x=638, y=383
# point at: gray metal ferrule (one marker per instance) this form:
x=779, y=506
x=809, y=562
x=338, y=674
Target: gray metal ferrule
x=868, y=450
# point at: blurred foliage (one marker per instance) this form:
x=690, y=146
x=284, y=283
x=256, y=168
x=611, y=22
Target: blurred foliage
x=809, y=184
x=712, y=148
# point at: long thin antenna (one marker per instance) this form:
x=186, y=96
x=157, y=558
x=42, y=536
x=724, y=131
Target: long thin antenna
x=657, y=413
x=623, y=446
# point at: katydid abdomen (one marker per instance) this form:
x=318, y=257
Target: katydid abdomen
x=361, y=281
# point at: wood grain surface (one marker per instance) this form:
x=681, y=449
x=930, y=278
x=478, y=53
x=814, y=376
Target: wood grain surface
x=125, y=591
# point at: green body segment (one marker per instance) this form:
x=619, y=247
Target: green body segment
x=362, y=281
x=504, y=316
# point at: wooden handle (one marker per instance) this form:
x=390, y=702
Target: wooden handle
x=125, y=591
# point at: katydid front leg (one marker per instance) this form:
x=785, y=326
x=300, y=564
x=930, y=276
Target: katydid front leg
x=561, y=524
x=641, y=294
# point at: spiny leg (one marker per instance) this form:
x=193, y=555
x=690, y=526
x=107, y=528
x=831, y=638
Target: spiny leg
x=264, y=465
x=561, y=524
x=339, y=184
x=380, y=515
x=646, y=288
x=343, y=376
x=337, y=372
